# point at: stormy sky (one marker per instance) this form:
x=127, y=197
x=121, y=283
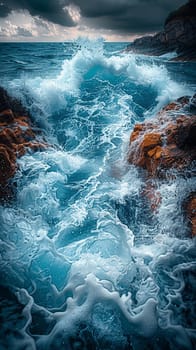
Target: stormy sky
x=45, y=20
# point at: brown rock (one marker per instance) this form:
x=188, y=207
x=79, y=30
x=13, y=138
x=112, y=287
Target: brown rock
x=6, y=117
x=17, y=136
x=159, y=147
x=190, y=212
x=150, y=140
x=7, y=164
x=166, y=143
x=137, y=129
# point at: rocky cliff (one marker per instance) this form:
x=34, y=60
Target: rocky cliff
x=179, y=34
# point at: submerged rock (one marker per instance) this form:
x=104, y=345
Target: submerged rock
x=17, y=135
x=164, y=147
x=179, y=34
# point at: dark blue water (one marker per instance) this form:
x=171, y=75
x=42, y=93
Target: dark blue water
x=84, y=264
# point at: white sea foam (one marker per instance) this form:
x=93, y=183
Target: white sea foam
x=51, y=94
x=77, y=245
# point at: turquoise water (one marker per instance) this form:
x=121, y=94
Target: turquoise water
x=84, y=263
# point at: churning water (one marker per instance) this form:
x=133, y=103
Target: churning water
x=84, y=264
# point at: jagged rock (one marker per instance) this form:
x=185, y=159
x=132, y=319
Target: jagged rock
x=165, y=144
x=168, y=142
x=179, y=35
x=17, y=135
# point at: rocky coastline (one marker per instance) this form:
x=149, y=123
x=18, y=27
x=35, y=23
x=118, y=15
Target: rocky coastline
x=178, y=35
x=18, y=135
x=165, y=147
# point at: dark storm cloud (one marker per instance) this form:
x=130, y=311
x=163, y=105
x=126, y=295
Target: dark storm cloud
x=51, y=10
x=4, y=10
x=131, y=16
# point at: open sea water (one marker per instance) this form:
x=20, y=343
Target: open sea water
x=84, y=264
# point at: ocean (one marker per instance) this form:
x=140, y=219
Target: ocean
x=83, y=263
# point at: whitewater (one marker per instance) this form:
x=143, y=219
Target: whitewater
x=84, y=263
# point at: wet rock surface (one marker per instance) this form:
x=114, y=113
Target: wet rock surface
x=17, y=136
x=165, y=147
x=165, y=143
x=190, y=212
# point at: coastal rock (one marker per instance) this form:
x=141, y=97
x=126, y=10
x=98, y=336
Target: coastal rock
x=17, y=135
x=164, y=147
x=190, y=212
x=165, y=144
x=179, y=34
